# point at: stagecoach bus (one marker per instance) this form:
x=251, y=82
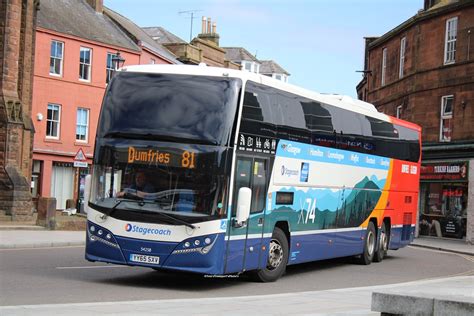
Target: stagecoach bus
x=219, y=171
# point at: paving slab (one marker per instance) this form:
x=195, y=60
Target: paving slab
x=455, y=296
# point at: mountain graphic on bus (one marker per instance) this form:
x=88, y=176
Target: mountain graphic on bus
x=335, y=208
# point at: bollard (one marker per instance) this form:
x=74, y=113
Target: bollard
x=46, y=212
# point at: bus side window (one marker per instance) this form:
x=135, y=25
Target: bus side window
x=258, y=186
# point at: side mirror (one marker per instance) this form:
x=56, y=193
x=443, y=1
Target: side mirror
x=243, y=206
x=87, y=192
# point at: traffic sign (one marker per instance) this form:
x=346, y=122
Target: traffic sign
x=80, y=156
x=80, y=160
x=80, y=164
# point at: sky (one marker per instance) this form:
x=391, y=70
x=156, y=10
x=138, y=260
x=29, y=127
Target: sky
x=319, y=42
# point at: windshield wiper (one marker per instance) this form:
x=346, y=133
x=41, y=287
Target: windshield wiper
x=178, y=220
x=142, y=202
x=133, y=199
x=149, y=136
x=172, y=217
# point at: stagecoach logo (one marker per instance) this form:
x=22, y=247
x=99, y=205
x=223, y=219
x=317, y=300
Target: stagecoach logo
x=289, y=172
x=291, y=149
x=147, y=231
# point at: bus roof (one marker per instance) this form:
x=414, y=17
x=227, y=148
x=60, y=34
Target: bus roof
x=341, y=101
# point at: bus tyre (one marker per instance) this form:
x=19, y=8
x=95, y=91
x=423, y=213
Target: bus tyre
x=369, y=245
x=382, y=245
x=277, y=258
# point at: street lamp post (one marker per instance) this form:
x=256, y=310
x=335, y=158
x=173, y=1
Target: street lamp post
x=118, y=61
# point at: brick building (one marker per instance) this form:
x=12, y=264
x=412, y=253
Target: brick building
x=17, y=24
x=423, y=71
x=75, y=44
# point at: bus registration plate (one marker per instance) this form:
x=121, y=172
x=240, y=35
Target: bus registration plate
x=144, y=259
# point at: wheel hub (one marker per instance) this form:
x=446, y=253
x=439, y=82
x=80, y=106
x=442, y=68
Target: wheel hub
x=370, y=243
x=383, y=241
x=275, y=255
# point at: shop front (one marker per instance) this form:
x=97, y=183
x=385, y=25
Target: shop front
x=443, y=199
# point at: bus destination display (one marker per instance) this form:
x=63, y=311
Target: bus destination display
x=185, y=159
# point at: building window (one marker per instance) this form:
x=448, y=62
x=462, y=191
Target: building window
x=403, y=44
x=248, y=66
x=446, y=118
x=82, y=124
x=53, y=121
x=56, y=59
x=85, y=64
x=152, y=61
x=450, y=41
x=109, y=68
x=384, y=65
x=278, y=77
x=251, y=66
x=399, y=111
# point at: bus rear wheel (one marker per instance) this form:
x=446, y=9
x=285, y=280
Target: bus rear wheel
x=382, y=244
x=277, y=258
x=369, y=245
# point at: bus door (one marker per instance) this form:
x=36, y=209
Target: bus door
x=244, y=243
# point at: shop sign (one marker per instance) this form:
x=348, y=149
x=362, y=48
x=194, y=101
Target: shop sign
x=445, y=171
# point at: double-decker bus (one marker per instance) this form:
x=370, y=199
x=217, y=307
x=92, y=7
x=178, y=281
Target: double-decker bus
x=219, y=171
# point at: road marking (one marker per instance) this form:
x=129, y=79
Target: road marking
x=92, y=267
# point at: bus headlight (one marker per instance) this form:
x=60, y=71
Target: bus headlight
x=194, y=245
x=95, y=234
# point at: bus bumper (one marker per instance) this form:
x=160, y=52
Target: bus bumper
x=205, y=256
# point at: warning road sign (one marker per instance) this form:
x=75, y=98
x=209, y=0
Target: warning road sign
x=80, y=160
x=80, y=156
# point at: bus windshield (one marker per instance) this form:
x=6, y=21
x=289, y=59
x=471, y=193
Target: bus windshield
x=155, y=182
x=179, y=108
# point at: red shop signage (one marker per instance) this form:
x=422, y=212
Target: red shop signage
x=444, y=171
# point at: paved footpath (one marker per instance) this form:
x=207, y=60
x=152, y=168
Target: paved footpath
x=40, y=238
x=350, y=301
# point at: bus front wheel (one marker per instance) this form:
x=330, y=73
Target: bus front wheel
x=369, y=245
x=277, y=258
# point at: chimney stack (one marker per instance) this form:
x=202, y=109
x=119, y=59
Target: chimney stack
x=203, y=28
x=209, y=31
x=97, y=5
x=208, y=25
